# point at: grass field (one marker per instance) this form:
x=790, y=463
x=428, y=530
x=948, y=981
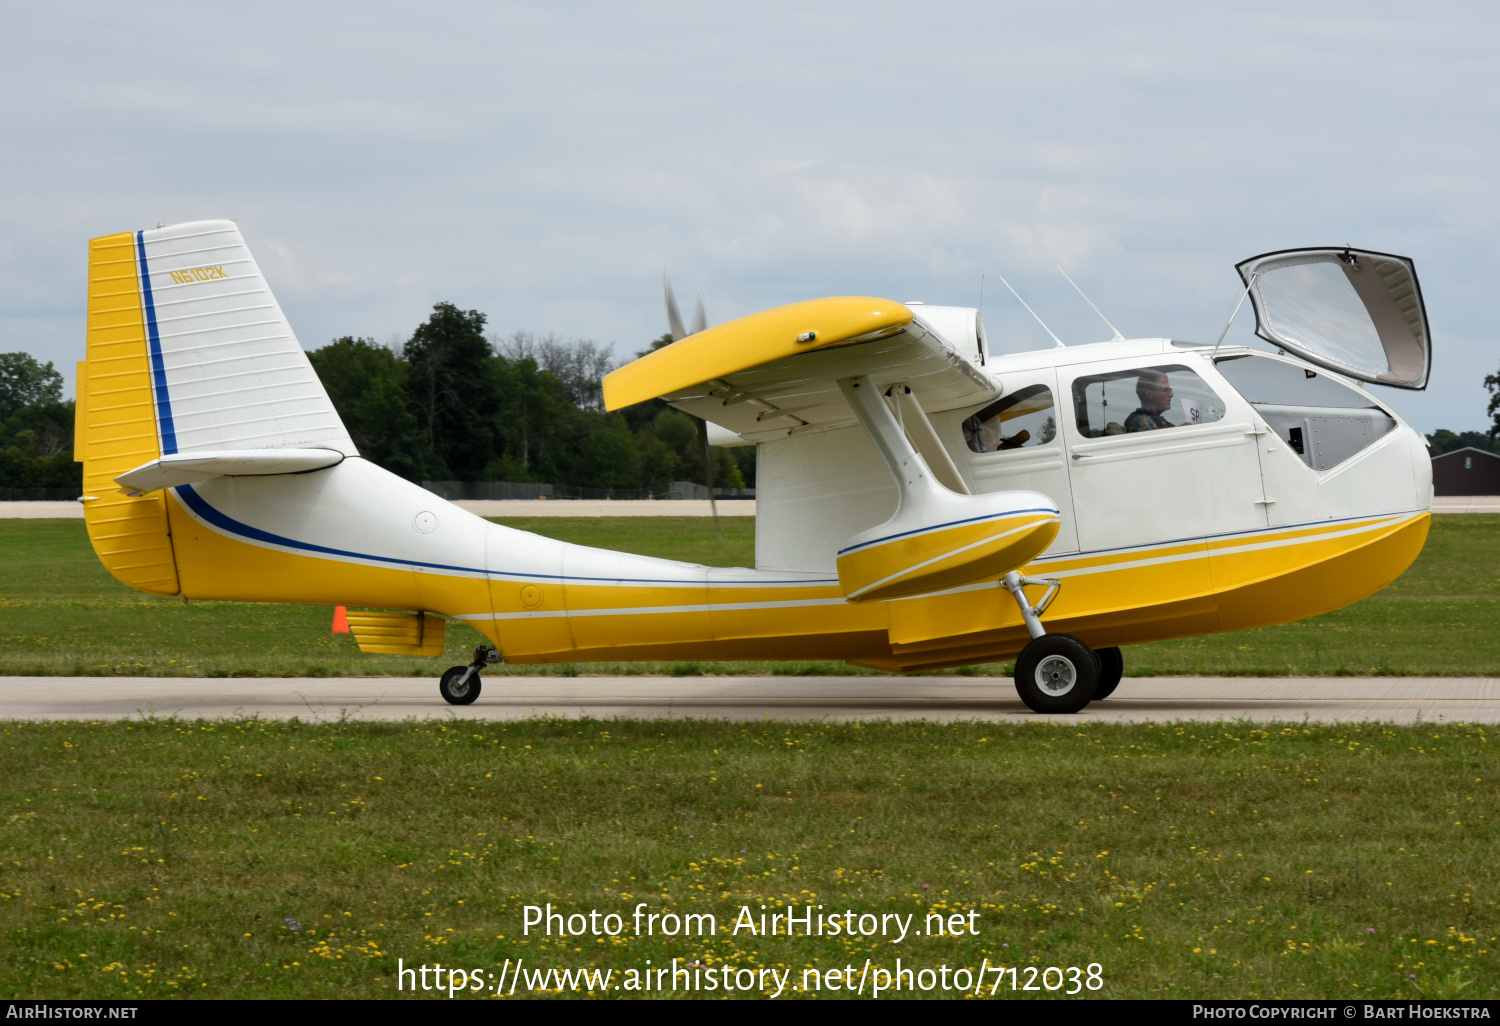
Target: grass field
x=61, y=613
x=272, y=859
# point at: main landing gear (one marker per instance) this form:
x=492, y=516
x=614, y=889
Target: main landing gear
x=459, y=685
x=1057, y=673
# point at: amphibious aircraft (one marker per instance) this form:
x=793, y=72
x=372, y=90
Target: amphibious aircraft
x=922, y=502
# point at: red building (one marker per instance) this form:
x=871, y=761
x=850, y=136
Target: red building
x=1466, y=472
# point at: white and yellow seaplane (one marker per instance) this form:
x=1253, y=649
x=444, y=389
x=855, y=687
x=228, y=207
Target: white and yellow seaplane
x=922, y=502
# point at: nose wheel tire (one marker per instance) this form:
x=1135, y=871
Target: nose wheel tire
x=1057, y=673
x=1111, y=669
x=456, y=693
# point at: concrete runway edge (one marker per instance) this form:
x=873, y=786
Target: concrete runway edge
x=1138, y=699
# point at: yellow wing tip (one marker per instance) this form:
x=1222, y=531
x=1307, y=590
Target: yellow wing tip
x=751, y=341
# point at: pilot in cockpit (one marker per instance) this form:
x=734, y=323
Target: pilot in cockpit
x=1155, y=392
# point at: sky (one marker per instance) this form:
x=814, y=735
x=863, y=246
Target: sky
x=544, y=163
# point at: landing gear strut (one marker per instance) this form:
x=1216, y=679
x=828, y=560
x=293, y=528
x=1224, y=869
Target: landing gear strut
x=459, y=685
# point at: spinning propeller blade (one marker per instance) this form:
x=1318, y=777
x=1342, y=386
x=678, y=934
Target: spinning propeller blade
x=674, y=319
x=700, y=323
x=700, y=315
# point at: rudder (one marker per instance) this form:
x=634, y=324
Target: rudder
x=116, y=423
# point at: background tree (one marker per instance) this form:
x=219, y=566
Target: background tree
x=1492, y=383
x=450, y=388
x=453, y=406
x=36, y=426
x=367, y=383
x=579, y=365
x=25, y=382
x=1442, y=440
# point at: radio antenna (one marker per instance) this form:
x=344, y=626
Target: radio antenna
x=1118, y=337
x=1031, y=311
x=1248, y=286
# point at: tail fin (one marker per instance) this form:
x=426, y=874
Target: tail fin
x=188, y=352
x=227, y=370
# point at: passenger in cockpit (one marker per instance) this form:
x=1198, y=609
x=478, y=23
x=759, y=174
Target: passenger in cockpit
x=1155, y=393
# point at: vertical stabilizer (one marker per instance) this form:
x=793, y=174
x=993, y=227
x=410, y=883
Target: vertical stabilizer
x=228, y=371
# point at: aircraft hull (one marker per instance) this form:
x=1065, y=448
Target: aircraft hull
x=540, y=600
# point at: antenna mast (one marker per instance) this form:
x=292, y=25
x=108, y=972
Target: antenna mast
x=1118, y=337
x=1031, y=311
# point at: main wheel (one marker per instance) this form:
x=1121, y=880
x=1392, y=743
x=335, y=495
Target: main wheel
x=1111, y=669
x=1056, y=673
x=458, y=694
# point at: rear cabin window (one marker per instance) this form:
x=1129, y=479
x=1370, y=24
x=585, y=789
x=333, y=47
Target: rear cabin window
x=1143, y=399
x=1322, y=420
x=1024, y=418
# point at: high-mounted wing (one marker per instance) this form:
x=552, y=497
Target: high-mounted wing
x=776, y=372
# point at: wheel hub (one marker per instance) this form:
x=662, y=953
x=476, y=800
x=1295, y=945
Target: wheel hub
x=1056, y=675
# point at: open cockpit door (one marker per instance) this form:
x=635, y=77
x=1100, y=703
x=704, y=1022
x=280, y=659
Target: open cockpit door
x=1350, y=311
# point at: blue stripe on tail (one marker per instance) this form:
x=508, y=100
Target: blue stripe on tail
x=158, y=368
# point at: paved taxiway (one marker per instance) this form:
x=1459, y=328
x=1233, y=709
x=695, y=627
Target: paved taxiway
x=1323, y=699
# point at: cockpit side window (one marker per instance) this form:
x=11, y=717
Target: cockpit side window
x=1143, y=399
x=1321, y=419
x=1024, y=418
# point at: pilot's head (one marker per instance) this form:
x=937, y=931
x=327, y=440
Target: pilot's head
x=1155, y=391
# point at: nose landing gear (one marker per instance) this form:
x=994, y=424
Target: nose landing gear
x=459, y=685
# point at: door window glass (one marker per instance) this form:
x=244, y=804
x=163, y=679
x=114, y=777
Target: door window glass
x=1322, y=420
x=1313, y=304
x=1024, y=418
x=1143, y=399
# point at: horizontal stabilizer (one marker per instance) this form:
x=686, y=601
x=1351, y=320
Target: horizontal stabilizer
x=191, y=467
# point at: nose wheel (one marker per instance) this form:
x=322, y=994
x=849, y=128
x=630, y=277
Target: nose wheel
x=460, y=685
x=1057, y=673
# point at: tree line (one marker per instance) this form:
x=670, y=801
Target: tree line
x=453, y=404
x=36, y=427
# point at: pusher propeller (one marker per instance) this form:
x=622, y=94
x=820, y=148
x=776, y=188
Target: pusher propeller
x=700, y=323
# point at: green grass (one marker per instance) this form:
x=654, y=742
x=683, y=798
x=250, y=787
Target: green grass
x=61, y=613
x=157, y=858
